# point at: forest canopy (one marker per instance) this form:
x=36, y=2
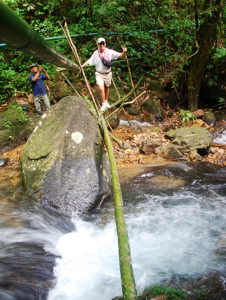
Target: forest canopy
x=161, y=37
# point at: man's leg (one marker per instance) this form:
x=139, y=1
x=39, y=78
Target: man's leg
x=37, y=103
x=46, y=103
x=106, y=91
x=102, y=92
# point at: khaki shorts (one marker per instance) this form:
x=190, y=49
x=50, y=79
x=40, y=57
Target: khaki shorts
x=103, y=79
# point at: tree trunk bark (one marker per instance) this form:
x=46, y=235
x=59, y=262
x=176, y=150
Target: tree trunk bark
x=205, y=39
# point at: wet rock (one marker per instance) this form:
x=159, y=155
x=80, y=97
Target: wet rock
x=209, y=118
x=3, y=161
x=63, y=161
x=166, y=182
x=154, y=108
x=148, y=146
x=197, y=138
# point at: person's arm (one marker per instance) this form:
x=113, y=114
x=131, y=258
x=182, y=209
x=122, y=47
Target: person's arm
x=124, y=50
x=36, y=76
x=47, y=76
x=85, y=64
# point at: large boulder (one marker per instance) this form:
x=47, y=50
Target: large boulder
x=197, y=138
x=64, y=162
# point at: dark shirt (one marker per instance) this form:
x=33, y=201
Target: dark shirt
x=38, y=87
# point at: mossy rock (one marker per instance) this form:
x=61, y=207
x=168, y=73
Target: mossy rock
x=14, y=125
x=13, y=117
x=197, y=138
x=64, y=162
x=154, y=108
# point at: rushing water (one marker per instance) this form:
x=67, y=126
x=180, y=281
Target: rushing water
x=177, y=236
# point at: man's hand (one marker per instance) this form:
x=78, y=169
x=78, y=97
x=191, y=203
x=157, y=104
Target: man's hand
x=124, y=49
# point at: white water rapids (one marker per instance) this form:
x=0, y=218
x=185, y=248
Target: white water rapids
x=178, y=234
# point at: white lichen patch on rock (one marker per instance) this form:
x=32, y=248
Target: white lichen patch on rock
x=77, y=137
x=35, y=129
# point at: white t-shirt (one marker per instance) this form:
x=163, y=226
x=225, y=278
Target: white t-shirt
x=96, y=61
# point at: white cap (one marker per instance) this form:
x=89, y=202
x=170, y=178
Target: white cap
x=101, y=40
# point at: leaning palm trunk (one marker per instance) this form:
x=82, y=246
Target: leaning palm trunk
x=127, y=277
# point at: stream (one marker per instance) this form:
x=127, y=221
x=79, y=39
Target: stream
x=176, y=221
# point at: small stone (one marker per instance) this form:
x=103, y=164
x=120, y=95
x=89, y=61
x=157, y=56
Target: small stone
x=148, y=146
x=194, y=155
x=199, y=113
x=172, y=152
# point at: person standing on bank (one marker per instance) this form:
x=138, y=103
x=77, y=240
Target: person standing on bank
x=38, y=88
x=101, y=59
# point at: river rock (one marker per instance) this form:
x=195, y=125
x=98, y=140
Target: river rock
x=154, y=108
x=209, y=118
x=172, y=152
x=166, y=182
x=64, y=162
x=148, y=146
x=199, y=113
x=197, y=138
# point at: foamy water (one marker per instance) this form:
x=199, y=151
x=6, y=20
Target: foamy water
x=135, y=123
x=221, y=139
x=170, y=235
x=174, y=234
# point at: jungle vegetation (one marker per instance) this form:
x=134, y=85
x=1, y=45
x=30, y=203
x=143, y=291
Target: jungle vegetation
x=181, y=40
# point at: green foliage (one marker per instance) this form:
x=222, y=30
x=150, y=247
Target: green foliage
x=186, y=116
x=168, y=292
x=220, y=53
x=221, y=103
x=13, y=119
x=158, y=37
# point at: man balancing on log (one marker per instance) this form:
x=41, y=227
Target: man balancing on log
x=101, y=59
